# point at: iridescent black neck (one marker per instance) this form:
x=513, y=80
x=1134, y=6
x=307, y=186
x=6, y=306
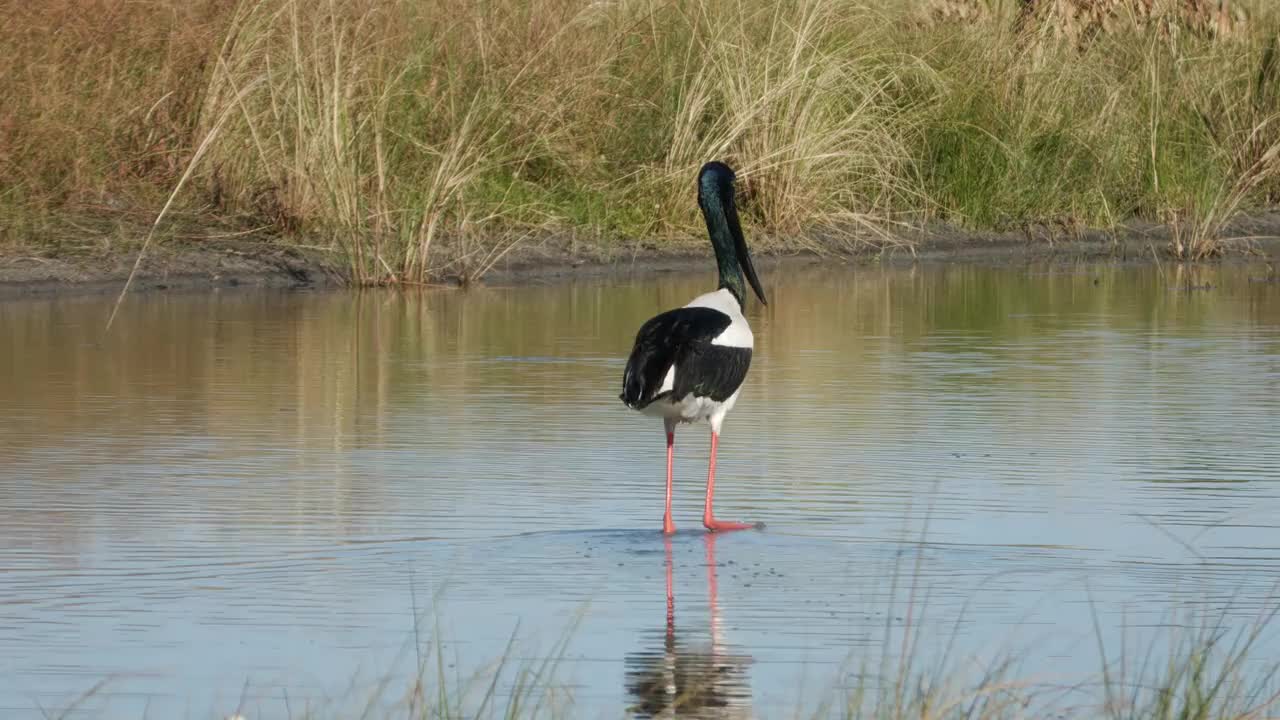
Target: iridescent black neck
x=715, y=197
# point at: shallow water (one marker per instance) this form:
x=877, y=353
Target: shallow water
x=248, y=498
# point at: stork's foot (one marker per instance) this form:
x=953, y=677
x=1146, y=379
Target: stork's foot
x=715, y=525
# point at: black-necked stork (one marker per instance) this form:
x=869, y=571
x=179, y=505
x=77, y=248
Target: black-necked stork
x=688, y=364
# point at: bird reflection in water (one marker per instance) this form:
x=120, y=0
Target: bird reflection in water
x=684, y=679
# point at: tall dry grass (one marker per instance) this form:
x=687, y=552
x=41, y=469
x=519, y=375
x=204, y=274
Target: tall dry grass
x=424, y=139
x=98, y=105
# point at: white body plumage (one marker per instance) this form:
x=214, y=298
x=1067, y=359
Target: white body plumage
x=694, y=408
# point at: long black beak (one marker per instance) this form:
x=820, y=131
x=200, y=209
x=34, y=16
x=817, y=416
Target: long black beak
x=740, y=248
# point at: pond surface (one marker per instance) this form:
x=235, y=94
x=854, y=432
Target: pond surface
x=280, y=500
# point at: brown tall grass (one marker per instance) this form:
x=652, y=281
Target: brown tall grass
x=422, y=139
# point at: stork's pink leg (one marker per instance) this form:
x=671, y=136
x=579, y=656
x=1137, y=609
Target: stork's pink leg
x=708, y=517
x=668, y=527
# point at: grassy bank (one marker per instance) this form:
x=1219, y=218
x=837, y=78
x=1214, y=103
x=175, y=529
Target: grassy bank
x=420, y=139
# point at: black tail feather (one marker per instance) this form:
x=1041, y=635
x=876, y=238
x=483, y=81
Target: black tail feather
x=659, y=343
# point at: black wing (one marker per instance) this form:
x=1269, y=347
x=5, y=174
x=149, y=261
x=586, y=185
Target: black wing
x=683, y=337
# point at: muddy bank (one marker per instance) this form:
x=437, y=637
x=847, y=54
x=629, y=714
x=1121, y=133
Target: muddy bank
x=211, y=264
x=1252, y=239
x=170, y=266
